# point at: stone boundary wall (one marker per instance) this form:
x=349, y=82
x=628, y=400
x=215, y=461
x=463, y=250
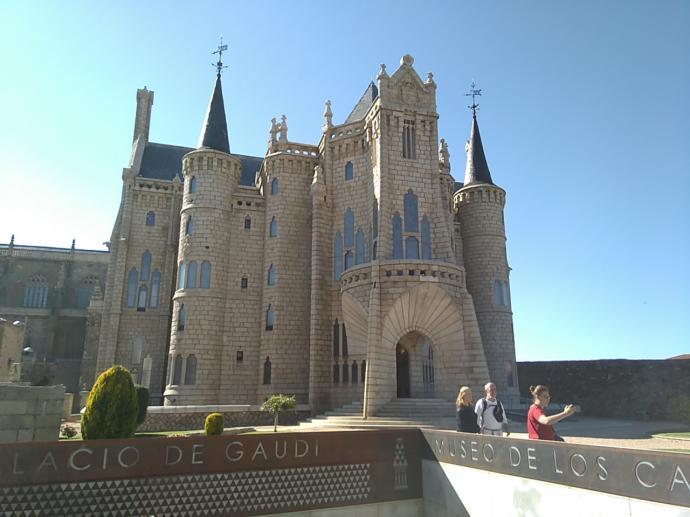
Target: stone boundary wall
x=611, y=387
x=189, y=418
x=30, y=413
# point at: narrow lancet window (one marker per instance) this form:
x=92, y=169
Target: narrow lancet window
x=191, y=274
x=426, y=238
x=397, y=237
x=205, y=275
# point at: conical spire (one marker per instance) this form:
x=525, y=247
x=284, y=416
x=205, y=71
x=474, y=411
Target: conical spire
x=214, y=132
x=477, y=170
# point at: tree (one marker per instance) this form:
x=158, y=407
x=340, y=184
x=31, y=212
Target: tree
x=112, y=407
x=143, y=399
x=276, y=404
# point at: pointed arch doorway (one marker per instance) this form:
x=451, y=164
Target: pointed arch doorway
x=415, y=373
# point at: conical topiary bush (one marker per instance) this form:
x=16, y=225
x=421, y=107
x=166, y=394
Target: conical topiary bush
x=112, y=406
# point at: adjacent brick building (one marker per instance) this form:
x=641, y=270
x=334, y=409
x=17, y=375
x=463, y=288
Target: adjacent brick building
x=354, y=268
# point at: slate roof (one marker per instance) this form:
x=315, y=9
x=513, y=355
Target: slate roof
x=214, y=132
x=164, y=162
x=364, y=103
x=477, y=170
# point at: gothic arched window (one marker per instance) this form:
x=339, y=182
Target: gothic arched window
x=411, y=248
x=181, y=317
x=360, y=247
x=408, y=143
x=273, y=229
x=270, y=316
x=137, y=349
x=192, y=185
x=205, y=281
x=275, y=186
x=247, y=223
x=85, y=290
x=397, y=237
x=363, y=370
x=190, y=370
x=336, y=339
x=336, y=373
x=355, y=373
x=132, y=279
x=338, y=255
x=155, y=288
x=191, y=274
x=349, y=228
x=349, y=171
x=344, y=341
x=36, y=292
x=346, y=373
x=151, y=219
x=411, y=212
x=142, y=299
x=426, y=238
x=349, y=259
x=267, y=370
x=177, y=370
x=145, y=266
x=182, y=275
x=271, y=275
x=189, y=227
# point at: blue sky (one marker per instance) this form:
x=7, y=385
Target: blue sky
x=585, y=120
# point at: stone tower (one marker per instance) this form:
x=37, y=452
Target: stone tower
x=480, y=206
x=211, y=176
x=286, y=179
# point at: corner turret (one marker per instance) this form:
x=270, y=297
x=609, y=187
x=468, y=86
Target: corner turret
x=479, y=204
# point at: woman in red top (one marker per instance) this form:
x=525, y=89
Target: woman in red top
x=540, y=426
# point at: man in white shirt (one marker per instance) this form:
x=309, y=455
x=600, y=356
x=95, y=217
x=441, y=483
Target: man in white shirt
x=491, y=416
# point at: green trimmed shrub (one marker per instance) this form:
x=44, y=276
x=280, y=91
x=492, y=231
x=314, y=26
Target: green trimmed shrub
x=143, y=399
x=213, y=425
x=112, y=406
x=276, y=404
x=679, y=409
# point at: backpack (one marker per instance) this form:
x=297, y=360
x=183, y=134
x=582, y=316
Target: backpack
x=498, y=410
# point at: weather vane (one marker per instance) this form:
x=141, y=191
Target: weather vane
x=221, y=48
x=474, y=93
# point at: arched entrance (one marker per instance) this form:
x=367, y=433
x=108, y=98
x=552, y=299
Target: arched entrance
x=402, y=371
x=415, y=372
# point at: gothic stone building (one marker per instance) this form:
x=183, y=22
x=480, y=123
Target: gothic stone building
x=55, y=292
x=350, y=269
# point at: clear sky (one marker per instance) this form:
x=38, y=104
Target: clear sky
x=585, y=119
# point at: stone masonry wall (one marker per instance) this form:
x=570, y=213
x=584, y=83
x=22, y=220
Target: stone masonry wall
x=611, y=388
x=188, y=418
x=30, y=413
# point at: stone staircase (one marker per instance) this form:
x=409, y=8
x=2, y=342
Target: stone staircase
x=425, y=413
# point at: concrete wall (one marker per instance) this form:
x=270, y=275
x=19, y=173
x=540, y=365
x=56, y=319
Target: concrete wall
x=633, y=389
x=452, y=490
x=30, y=413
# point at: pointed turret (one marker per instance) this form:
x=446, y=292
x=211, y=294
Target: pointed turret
x=477, y=170
x=214, y=132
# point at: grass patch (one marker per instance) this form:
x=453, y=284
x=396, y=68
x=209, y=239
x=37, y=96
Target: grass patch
x=673, y=436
